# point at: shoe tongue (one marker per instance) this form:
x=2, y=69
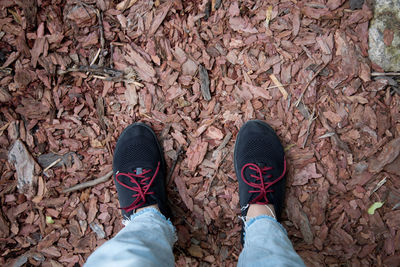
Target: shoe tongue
x=141, y=170
x=140, y=167
x=136, y=171
x=261, y=163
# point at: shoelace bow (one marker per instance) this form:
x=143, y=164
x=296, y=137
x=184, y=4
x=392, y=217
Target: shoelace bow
x=263, y=187
x=142, y=187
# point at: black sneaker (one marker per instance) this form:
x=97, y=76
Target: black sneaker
x=139, y=170
x=260, y=166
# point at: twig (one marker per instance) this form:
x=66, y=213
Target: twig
x=52, y=164
x=99, y=15
x=95, y=57
x=178, y=155
x=90, y=183
x=379, y=185
x=329, y=134
x=308, y=53
x=104, y=73
x=102, y=41
x=316, y=5
x=277, y=86
x=385, y=74
x=4, y=127
x=309, y=82
x=310, y=121
x=94, y=69
x=280, y=86
x=118, y=80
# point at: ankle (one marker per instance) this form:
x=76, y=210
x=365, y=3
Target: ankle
x=257, y=210
x=155, y=206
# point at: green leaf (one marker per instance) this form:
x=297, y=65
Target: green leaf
x=49, y=220
x=375, y=206
x=288, y=147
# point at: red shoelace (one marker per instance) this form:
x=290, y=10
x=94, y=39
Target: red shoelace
x=142, y=187
x=262, y=187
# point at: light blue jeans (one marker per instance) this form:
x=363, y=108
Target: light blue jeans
x=148, y=238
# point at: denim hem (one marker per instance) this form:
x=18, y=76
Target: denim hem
x=252, y=220
x=158, y=213
x=153, y=211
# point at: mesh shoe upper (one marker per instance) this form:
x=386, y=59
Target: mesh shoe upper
x=260, y=166
x=139, y=170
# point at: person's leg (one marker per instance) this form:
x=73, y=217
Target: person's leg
x=139, y=176
x=146, y=240
x=260, y=167
x=266, y=243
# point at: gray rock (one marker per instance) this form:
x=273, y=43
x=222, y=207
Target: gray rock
x=386, y=18
x=356, y=4
x=46, y=160
x=25, y=166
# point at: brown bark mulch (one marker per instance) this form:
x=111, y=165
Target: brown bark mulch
x=74, y=74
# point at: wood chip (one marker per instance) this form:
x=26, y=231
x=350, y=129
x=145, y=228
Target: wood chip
x=280, y=86
x=195, y=72
x=205, y=83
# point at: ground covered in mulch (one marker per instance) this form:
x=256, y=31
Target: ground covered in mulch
x=74, y=74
